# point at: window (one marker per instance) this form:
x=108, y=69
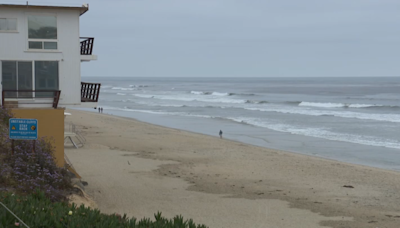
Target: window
x=42, y=32
x=19, y=75
x=8, y=24
x=46, y=76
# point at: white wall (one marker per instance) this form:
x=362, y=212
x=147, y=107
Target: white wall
x=14, y=46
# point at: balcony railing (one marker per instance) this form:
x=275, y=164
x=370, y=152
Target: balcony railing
x=87, y=45
x=30, y=98
x=90, y=92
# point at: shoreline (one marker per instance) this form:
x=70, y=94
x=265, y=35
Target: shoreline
x=396, y=170
x=207, y=169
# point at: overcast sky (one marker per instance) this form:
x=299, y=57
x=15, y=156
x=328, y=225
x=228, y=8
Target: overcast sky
x=242, y=38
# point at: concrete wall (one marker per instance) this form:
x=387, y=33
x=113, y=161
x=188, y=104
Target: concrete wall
x=50, y=124
x=14, y=47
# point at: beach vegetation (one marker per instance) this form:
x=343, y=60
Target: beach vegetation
x=33, y=191
x=27, y=165
x=37, y=210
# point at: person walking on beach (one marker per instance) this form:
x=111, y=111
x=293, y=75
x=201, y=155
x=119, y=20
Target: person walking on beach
x=220, y=134
x=99, y=109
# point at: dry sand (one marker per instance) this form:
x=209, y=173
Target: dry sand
x=138, y=169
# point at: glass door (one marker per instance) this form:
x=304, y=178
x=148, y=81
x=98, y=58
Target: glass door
x=46, y=77
x=9, y=78
x=17, y=76
x=25, y=79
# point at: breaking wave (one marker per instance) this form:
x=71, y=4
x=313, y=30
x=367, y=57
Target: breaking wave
x=342, y=105
x=321, y=133
x=395, y=118
x=123, y=89
x=220, y=93
x=307, y=131
x=192, y=98
x=138, y=86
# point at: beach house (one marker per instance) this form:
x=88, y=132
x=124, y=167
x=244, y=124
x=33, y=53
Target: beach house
x=41, y=52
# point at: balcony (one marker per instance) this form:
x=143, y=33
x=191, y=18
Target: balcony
x=87, y=49
x=30, y=98
x=49, y=98
x=90, y=92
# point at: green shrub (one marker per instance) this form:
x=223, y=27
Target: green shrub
x=25, y=171
x=36, y=210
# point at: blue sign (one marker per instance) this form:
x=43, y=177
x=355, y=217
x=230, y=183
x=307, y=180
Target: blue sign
x=23, y=129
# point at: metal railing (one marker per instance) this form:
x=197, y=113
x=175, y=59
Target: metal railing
x=30, y=97
x=90, y=92
x=13, y=214
x=87, y=45
x=71, y=128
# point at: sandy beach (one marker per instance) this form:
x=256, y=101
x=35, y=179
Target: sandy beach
x=137, y=168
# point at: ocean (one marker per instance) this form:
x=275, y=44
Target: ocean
x=355, y=120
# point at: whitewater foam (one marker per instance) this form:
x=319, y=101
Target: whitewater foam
x=161, y=112
x=123, y=89
x=219, y=94
x=192, y=98
x=337, y=105
x=356, y=115
x=320, y=133
x=197, y=92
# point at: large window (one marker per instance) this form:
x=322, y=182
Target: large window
x=46, y=75
x=8, y=24
x=42, y=32
x=19, y=75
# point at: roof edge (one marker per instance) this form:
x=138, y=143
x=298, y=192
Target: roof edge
x=82, y=9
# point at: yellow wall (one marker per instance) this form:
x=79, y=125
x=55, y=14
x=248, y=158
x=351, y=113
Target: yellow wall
x=50, y=124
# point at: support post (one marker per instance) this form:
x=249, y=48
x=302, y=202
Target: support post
x=12, y=147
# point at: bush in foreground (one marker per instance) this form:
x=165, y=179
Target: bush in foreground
x=36, y=210
x=27, y=169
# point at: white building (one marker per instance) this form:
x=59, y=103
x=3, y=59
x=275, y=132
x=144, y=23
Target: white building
x=40, y=57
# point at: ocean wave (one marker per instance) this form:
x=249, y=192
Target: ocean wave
x=304, y=131
x=143, y=95
x=161, y=112
x=320, y=133
x=339, y=105
x=199, y=92
x=322, y=105
x=293, y=102
x=139, y=86
x=395, y=118
x=220, y=93
x=256, y=102
x=209, y=93
x=122, y=88
x=188, y=98
x=121, y=94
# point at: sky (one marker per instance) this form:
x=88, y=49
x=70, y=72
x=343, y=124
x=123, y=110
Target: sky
x=241, y=38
